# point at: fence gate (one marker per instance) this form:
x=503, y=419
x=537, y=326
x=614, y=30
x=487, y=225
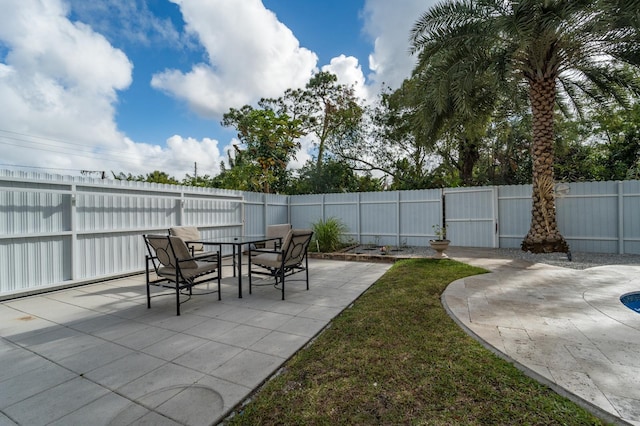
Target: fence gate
x=471, y=215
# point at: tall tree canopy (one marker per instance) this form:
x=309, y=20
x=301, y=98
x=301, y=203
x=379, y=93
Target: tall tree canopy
x=563, y=52
x=330, y=112
x=270, y=141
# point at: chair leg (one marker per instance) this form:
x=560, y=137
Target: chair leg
x=177, y=299
x=219, y=275
x=306, y=270
x=249, y=267
x=148, y=290
x=282, y=279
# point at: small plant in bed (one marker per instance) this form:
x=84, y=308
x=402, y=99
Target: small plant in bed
x=328, y=235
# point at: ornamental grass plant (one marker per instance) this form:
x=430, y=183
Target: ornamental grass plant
x=327, y=235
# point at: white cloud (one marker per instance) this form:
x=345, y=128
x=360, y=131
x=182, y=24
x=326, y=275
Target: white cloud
x=250, y=55
x=60, y=80
x=349, y=72
x=388, y=24
x=185, y=152
x=59, y=84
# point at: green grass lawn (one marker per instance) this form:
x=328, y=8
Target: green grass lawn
x=395, y=357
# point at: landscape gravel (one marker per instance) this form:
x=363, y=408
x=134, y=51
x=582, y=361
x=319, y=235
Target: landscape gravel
x=579, y=260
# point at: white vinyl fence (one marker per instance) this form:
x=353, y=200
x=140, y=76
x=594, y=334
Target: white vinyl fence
x=599, y=217
x=381, y=218
x=59, y=231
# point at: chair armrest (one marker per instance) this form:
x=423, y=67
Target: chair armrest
x=206, y=256
x=265, y=251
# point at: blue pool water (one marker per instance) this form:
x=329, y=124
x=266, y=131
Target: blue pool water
x=631, y=301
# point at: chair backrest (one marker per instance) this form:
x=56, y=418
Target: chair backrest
x=170, y=251
x=187, y=233
x=295, y=245
x=277, y=231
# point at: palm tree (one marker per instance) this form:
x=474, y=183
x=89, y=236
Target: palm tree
x=563, y=52
x=454, y=103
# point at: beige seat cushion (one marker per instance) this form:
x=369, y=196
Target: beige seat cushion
x=187, y=233
x=299, y=238
x=272, y=260
x=200, y=269
x=276, y=231
x=167, y=254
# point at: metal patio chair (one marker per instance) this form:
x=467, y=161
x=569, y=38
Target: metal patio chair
x=289, y=260
x=176, y=268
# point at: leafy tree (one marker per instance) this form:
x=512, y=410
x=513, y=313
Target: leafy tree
x=154, y=177
x=395, y=144
x=333, y=176
x=455, y=105
x=556, y=48
x=270, y=140
x=330, y=113
x=241, y=175
x=578, y=154
x=620, y=152
x=506, y=159
x=200, y=181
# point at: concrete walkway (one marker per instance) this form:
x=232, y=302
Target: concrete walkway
x=566, y=328
x=95, y=355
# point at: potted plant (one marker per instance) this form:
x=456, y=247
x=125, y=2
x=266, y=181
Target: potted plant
x=440, y=243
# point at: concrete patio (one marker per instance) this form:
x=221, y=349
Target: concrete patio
x=564, y=327
x=96, y=355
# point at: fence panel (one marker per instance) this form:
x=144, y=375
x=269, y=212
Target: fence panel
x=514, y=214
x=344, y=207
x=629, y=202
x=60, y=231
x=36, y=222
x=420, y=210
x=254, y=214
x=29, y=263
x=471, y=216
x=587, y=214
x=377, y=218
x=277, y=209
x=306, y=210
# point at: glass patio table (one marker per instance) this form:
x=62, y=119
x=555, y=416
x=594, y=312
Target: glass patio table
x=236, y=243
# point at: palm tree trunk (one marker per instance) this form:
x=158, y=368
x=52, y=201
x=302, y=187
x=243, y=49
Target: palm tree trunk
x=543, y=236
x=469, y=156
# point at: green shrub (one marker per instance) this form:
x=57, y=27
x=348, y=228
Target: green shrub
x=327, y=235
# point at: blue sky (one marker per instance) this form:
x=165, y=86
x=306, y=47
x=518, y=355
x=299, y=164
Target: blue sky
x=140, y=85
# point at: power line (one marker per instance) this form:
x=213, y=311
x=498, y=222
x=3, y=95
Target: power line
x=71, y=149
x=37, y=167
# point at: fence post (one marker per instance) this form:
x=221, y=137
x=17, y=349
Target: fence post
x=324, y=218
x=265, y=213
x=74, y=232
x=359, y=217
x=181, y=202
x=398, y=227
x=620, y=217
x=496, y=217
